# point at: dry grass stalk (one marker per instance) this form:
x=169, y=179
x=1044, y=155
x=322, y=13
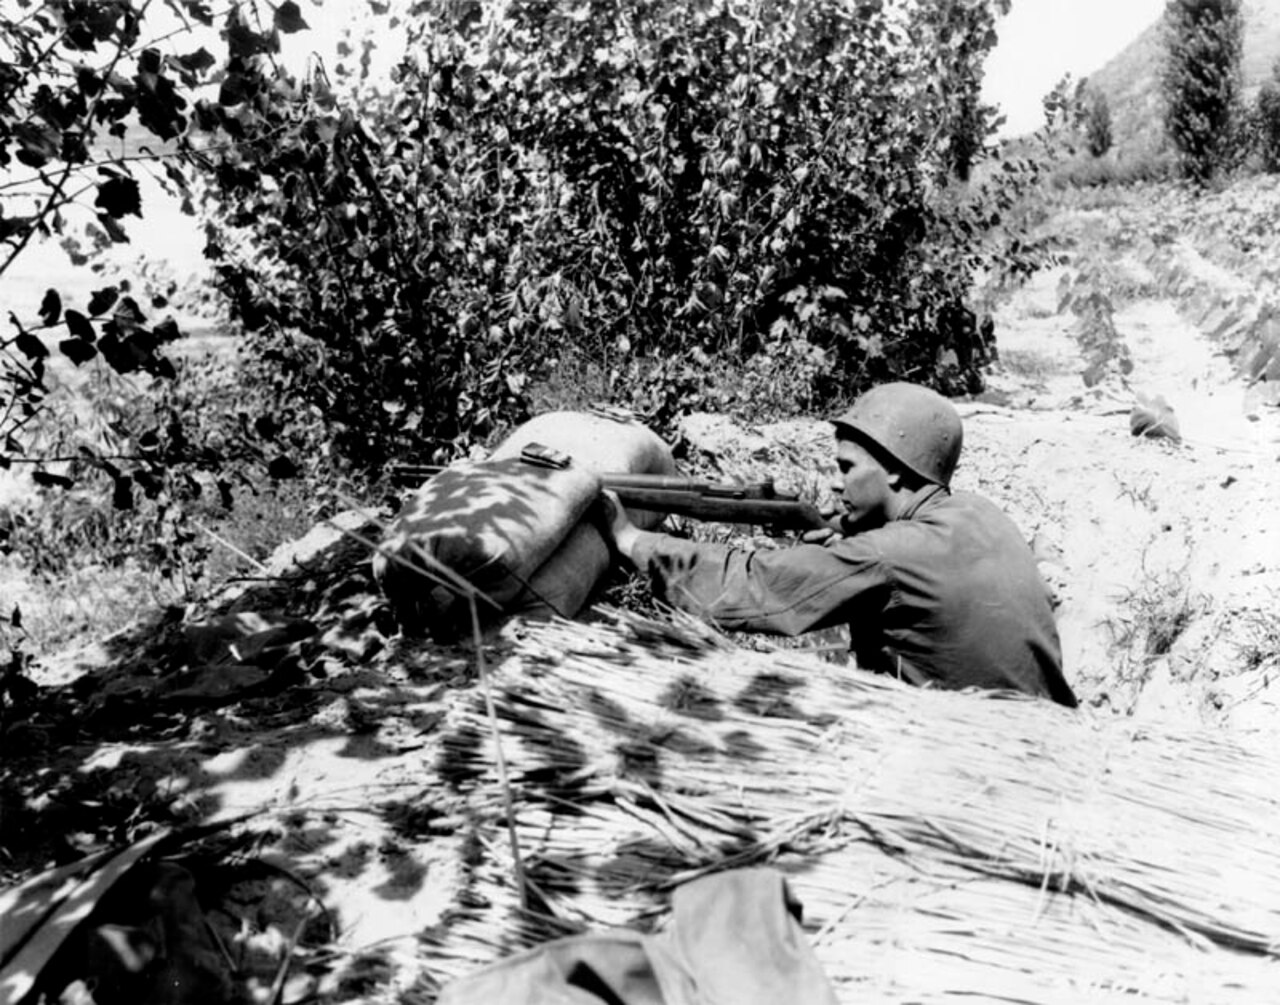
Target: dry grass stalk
x=1011, y=845
x=431, y=570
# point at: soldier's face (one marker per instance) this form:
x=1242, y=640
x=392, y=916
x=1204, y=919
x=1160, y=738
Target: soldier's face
x=864, y=487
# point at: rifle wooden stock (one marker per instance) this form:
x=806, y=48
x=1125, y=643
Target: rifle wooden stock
x=779, y=511
x=723, y=502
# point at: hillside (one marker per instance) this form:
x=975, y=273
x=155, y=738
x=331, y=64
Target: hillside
x=1131, y=80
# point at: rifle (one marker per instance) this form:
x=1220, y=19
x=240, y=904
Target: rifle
x=723, y=502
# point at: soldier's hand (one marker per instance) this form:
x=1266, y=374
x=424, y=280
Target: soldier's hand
x=822, y=535
x=617, y=523
x=825, y=535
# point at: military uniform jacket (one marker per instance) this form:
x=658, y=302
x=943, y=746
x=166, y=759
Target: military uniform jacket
x=946, y=595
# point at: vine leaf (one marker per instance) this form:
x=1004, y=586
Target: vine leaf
x=199, y=10
x=78, y=350
x=50, y=307
x=103, y=300
x=80, y=326
x=289, y=18
x=118, y=197
x=30, y=346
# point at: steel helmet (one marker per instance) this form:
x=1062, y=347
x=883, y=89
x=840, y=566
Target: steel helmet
x=916, y=426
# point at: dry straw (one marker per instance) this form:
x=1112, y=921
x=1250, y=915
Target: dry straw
x=945, y=845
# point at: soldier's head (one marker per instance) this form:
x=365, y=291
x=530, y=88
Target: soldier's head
x=895, y=439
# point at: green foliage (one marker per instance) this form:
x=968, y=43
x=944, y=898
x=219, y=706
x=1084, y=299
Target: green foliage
x=1097, y=125
x=1087, y=295
x=647, y=186
x=74, y=79
x=1200, y=81
x=1266, y=122
x=89, y=105
x=140, y=469
x=131, y=455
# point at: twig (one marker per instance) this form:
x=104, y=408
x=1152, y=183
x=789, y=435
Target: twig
x=282, y=972
x=233, y=549
x=504, y=781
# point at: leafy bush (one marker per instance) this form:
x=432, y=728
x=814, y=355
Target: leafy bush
x=1200, y=80
x=88, y=104
x=1098, y=172
x=641, y=188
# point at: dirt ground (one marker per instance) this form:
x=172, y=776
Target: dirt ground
x=295, y=705
x=1162, y=552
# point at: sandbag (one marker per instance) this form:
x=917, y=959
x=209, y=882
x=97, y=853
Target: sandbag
x=607, y=445
x=494, y=523
x=601, y=443
x=564, y=582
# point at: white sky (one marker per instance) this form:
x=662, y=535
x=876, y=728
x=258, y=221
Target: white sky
x=1041, y=40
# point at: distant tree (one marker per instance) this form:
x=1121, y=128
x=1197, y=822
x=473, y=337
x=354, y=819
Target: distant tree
x=1266, y=122
x=963, y=32
x=1097, y=124
x=1064, y=106
x=1200, y=80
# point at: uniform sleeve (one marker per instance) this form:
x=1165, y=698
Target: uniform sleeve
x=785, y=592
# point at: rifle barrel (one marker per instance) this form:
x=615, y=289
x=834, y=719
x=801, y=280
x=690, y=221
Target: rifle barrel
x=408, y=474
x=756, y=503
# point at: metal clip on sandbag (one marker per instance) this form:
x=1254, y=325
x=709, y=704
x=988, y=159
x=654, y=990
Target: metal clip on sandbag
x=542, y=456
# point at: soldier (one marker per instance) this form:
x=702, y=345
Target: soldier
x=938, y=588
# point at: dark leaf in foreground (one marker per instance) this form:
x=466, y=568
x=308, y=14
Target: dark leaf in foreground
x=118, y=197
x=30, y=346
x=78, y=350
x=80, y=326
x=196, y=62
x=103, y=300
x=50, y=307
x=289, y=18
x=199, y=10
x=166, y=331
x=48, y=480
x=243, y=42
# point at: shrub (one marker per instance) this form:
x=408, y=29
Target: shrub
x=1097, y=125
x=93, y=97
x=1200, y=80
x=643, y=187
